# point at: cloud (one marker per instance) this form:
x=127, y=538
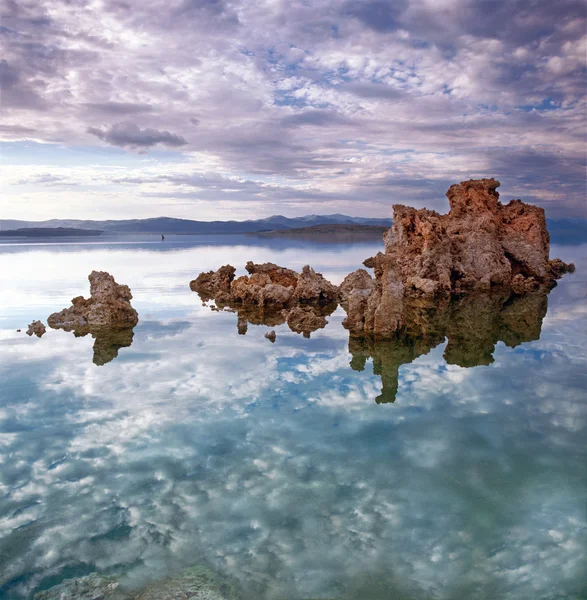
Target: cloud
x=374, y=90
x=131, y=135
x=40, y=178
x=379, y=15
x=342, y=95
x=317, y=118
x=119, y=108
x=16, y=93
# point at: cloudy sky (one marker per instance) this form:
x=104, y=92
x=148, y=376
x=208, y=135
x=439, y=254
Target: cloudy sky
x=241, y=109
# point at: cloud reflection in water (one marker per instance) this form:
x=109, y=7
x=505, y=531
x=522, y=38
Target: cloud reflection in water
x=272, y=464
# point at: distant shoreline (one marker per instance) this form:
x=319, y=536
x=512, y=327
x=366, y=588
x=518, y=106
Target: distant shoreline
x=34, y=232
x=337, y=230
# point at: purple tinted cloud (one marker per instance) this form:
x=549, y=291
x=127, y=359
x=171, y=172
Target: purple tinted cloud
x=132, y=136
x=354, y=99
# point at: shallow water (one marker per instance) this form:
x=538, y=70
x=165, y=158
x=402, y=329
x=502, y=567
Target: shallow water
x=272, y=464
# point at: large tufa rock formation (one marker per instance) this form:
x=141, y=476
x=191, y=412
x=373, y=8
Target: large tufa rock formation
x=479, y=245
x=108, y=306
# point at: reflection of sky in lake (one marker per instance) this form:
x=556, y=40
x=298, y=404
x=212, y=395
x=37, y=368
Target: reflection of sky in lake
x=272, y=463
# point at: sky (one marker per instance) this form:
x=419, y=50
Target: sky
x=219, y=109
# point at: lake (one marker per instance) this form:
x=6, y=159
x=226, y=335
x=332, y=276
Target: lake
x=280, y=467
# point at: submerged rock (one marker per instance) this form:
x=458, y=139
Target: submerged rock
x=196, y=583
x=90, y=587
x=108, y=305
x=479, y=245
x=36, y=328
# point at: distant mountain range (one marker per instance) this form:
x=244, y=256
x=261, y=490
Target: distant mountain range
x=562, y=231
x=167, y=225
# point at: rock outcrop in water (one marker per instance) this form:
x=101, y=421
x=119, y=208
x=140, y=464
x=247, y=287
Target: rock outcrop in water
x=209, y=285
x=107, y=315
x=267, y=284
x=473, y=324
x=108, y=306
x=478, y=246
x=36, y=328
x=270, y=295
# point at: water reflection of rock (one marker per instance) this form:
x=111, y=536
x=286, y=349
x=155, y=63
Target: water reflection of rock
x=303, y=319
x=108, y=341
x=473, y=325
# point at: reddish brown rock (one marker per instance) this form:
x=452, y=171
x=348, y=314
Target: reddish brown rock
x=277, y=274
x=524, y=285
x=357, y=280
x=36, y=328
x=558, y=268
x=267, y=284
x=271, y=336
x=478, y=245
x=313, y=287
x=108, y=305
x=212, y=283
x=259, y=289
x=354, y=294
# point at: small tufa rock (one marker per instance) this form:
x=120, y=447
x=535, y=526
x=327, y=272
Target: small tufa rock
x=36, y=328
x=558, y=268
x=212, y=283
x=313, y=287
x=271, y=336
x=108, y=305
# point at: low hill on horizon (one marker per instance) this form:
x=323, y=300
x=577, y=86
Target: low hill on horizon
x=562, y=231
x=167, y=225
x=340, y=230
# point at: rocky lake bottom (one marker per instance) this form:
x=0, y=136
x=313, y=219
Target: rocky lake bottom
x=190, y=456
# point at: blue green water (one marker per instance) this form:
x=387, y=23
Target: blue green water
x=272, y=464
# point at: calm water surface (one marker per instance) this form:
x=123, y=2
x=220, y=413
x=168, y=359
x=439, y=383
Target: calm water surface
x=272, y=464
